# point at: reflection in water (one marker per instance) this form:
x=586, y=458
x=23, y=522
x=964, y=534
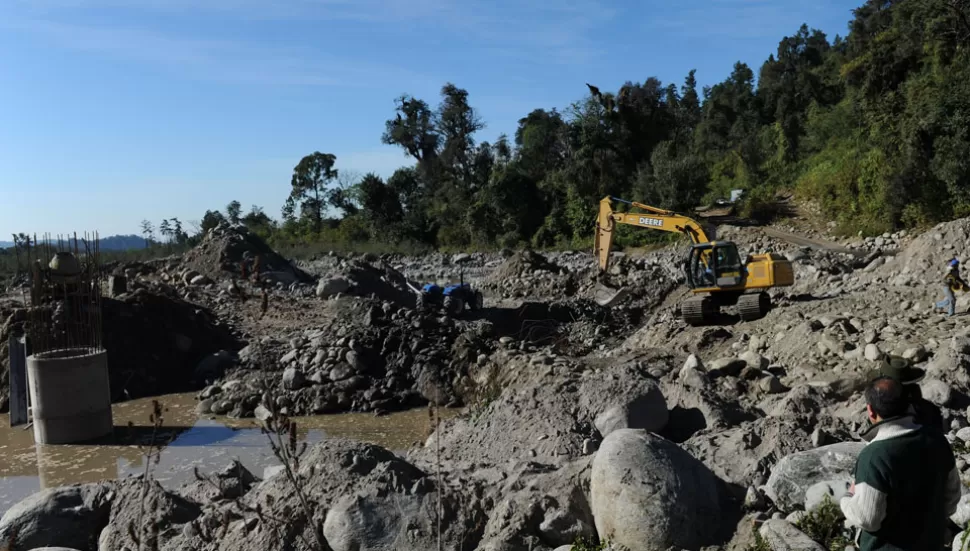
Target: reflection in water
x=208, y=443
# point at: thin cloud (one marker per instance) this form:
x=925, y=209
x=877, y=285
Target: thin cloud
x=531, y=30
x=220, y=60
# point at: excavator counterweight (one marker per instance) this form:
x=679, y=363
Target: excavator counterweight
x=714, y=270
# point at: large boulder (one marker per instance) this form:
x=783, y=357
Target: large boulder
x=69, y=516
x=389, y=521
x=147, y=510
x=623, y=400
x=782, y=535
x=548, y=420
x=328, y=287
x=534, y=503
x=738, y=455
x=792, y=476
x=648, y=494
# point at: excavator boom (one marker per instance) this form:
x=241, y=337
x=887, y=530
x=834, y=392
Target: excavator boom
x=653, y=218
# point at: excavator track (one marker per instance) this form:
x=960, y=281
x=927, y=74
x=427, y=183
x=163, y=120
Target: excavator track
x=698, y=310
x=754, y=306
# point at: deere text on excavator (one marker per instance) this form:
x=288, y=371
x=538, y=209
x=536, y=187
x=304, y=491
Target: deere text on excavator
x=714, y=270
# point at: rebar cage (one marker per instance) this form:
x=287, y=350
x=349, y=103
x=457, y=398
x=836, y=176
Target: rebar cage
x=65, y=293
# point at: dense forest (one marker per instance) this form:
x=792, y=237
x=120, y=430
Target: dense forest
x=874, y=127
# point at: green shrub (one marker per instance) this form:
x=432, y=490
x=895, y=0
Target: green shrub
x=825, y=525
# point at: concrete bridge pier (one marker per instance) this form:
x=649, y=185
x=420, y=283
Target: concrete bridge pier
x=70, y=395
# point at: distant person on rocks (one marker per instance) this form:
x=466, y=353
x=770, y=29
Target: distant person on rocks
x=906, y=484
x=923, y=411
x=951, y=282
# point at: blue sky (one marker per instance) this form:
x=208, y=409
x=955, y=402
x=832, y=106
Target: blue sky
x=114, y=111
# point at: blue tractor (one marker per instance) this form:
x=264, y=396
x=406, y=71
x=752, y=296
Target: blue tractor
x=453, y=298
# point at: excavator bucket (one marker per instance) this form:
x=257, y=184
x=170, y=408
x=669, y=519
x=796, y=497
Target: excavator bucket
x=605, y=295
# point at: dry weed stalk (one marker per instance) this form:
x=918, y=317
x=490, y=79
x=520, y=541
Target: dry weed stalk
x=281, y=431
x=146, y=537
x=434, y=424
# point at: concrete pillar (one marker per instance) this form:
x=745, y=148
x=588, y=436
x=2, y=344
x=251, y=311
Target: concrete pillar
x=70, y=395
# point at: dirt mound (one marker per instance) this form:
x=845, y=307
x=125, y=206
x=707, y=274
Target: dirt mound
x=229, y=249
x=156, y=343
x=524, y=263
x=373, y=280
x=928, y=253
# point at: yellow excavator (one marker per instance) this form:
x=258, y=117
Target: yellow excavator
x=715, y=273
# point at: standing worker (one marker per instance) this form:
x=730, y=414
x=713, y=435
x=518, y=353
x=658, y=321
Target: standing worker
x=951, y=282
x=906, y=483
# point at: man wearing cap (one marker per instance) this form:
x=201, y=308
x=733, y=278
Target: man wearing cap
x=951, y=282
x=906, y=483
x=924, y=412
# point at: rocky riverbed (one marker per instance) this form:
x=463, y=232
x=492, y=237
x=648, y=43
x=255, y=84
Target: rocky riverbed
x=586, y=423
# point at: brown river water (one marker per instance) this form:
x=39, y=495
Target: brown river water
x=207, y=442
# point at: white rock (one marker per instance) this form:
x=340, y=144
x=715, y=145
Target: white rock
x=873, y=353
x=782, y=535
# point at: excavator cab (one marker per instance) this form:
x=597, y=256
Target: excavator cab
x=714, y=265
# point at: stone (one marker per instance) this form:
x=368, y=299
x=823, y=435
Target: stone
x=756, y=343
x=289, y=357
x=754, y=360
x=341, y=372
x=873, y=353
x=753, y=499
x=692, y=377
x=204, y=407
x=262, y=414
x=189, y=276
x=328, y=287
x=643, y=409
x=356, y=362
x=272, y=470
x=820, y=437
x=648, y=494
x=68, y=516
x=727, y=366
x=781, y=535
x=694, y=362
x=832, y=345
x=117, y=285
x=794, y=474
x=293, y=379
x=936, y=391
x=916, y=354
x=771, y=385
x=958, y=542
x=200, y=280
x=827, y=489
x=383, y=520
x=222, y=407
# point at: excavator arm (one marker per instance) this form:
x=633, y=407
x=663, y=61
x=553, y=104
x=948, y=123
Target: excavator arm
x=653, y=218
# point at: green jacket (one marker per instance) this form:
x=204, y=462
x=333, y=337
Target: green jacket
x=906, y=487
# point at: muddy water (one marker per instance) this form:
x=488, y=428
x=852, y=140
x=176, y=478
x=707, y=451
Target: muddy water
x=207, y=442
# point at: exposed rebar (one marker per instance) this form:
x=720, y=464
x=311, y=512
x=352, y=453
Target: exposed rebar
x=64, y=311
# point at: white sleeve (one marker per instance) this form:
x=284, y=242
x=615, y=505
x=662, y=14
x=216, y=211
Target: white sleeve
x=866, y=508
